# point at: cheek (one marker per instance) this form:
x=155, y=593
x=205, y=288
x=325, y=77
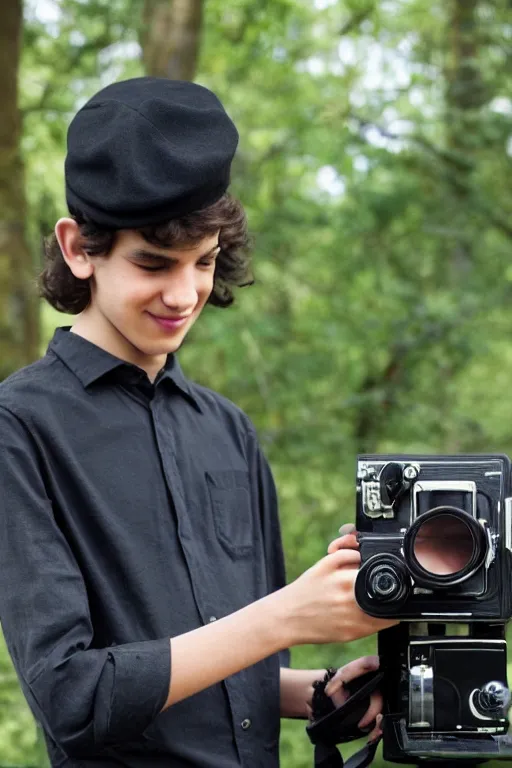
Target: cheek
x=120, y=289
x=204, y=287
x=137, y=294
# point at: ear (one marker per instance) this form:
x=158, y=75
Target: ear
x=68, y=236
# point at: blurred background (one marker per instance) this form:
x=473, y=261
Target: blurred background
x=375, y=165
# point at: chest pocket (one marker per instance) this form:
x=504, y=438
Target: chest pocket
x=231, y=510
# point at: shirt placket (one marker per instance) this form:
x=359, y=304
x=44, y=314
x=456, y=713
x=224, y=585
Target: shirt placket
x=202, y=592
x=167, y=450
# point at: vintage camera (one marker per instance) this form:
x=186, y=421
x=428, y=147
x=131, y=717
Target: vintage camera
x=435, y=535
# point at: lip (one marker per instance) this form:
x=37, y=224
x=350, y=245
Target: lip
x=169, y=323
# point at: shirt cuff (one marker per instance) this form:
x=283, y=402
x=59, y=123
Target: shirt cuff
x=133, y=689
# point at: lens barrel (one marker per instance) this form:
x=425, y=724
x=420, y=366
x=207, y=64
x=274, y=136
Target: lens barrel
x=444, y=547
x=383, y=579
x=384, y=583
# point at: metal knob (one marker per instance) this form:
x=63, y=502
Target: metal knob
x=493, y=698
x=384, y=582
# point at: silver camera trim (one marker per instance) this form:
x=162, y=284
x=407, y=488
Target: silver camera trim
x=467, y=486
x=372, y=501
x=421, y=696
x=508, y=523
x=369, y=475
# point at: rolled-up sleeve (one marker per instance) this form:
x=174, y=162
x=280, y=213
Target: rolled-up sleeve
x=86, y=698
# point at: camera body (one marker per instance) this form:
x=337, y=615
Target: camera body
x=435, y=536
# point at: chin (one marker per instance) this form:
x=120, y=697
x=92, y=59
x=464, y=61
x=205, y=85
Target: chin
x=166, y=348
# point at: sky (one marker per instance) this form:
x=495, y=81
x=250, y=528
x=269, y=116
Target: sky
x=45, y=10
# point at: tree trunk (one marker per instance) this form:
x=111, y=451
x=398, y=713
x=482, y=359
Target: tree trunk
x=171, y=37
x=465, y=94
x=465, y=91
x=19, y=315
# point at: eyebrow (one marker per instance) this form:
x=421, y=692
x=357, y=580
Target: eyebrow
x=145, y=255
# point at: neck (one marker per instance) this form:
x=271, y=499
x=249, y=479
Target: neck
x=104, y=335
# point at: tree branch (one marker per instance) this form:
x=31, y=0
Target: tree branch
x=450, y=159
x=356, y=19
x=68, y=64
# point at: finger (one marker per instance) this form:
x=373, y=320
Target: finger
x=343, y=557
x=335, y=689
x=339, y=697
x=373, y=710
x=347, y=528
x=376, y=734
x=351, y=671
x=343, y=542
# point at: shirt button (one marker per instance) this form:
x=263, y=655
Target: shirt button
x=212, y=619
x=246, y=724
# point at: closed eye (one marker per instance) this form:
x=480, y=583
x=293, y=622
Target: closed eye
x=153, y=262
x=152, y=269
x=159, y=268
x=206, y=262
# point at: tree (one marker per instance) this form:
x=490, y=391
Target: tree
x=171, y=37
x=380, y=319
x=19, y=337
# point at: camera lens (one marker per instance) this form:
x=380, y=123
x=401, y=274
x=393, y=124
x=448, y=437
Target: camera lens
x=384, y=582
x=383, y=585
x=444, y=547
x=386, y=579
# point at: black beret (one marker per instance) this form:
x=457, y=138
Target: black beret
x=147, y=150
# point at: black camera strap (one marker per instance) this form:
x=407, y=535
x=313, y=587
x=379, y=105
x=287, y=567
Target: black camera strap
x=340, y=726
x=330, y=757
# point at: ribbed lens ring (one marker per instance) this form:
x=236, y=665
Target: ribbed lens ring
x=385, y=582
x=444, y=546
x=386, y=579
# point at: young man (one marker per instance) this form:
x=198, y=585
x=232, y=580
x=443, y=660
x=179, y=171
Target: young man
x=143, y=594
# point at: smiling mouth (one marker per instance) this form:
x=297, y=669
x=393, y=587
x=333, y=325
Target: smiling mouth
x=169, y=323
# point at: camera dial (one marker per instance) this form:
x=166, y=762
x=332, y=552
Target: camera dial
x=491, y=701
x=383, y=580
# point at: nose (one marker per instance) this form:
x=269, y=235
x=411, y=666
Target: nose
x=180, y=291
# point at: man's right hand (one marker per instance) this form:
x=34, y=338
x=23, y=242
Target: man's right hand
x=321, y=603
x=319, y=607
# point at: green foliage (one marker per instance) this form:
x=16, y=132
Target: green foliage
x=374, y=165
x=19, y=741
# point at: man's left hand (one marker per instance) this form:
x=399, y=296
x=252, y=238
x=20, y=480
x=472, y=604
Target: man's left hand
x=336, y=690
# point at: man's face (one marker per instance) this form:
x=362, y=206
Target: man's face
x=145, y=298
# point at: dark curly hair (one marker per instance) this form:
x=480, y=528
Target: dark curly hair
x=66, y=293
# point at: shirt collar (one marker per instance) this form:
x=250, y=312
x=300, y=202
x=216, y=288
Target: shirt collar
x=90, y=363
x=172, y=372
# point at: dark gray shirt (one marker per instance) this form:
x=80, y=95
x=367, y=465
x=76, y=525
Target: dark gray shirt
x=131, y=513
